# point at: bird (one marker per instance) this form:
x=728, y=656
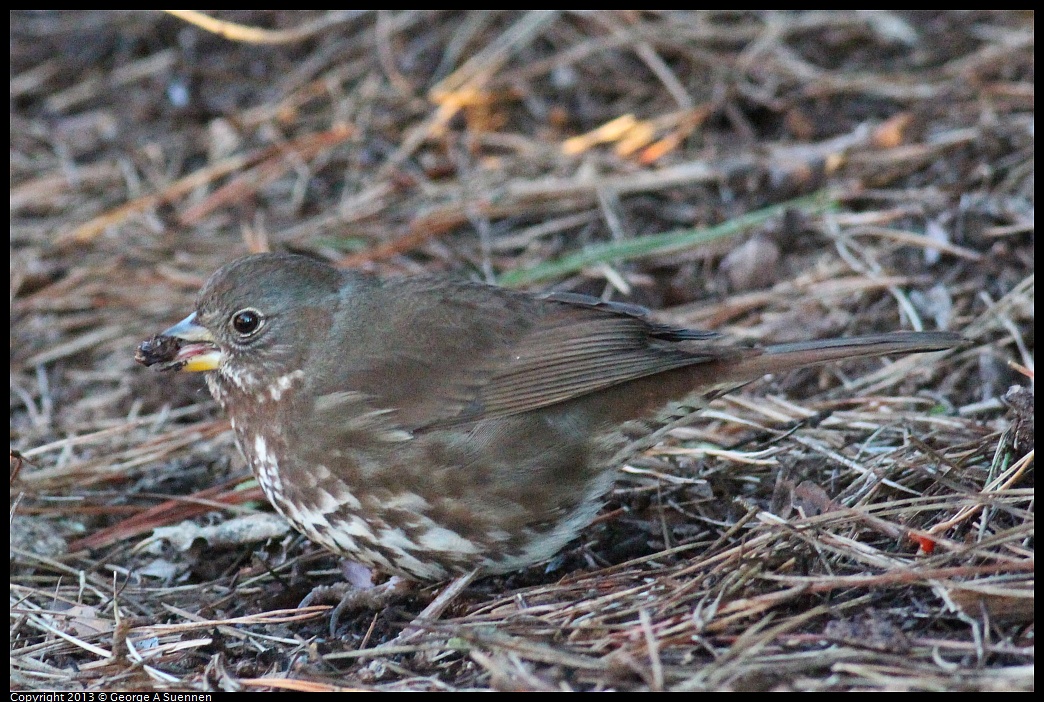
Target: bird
x=431, y=428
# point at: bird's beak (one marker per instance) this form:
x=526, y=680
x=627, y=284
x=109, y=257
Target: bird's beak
x=201, y=353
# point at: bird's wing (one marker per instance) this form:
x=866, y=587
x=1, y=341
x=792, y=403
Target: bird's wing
x=467, y=352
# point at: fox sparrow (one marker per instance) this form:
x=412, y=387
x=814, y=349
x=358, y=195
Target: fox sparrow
x=431, y=428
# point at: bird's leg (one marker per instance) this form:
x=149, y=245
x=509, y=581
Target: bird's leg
x=356, y=592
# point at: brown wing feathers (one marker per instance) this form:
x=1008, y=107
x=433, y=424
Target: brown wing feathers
x=580, y=345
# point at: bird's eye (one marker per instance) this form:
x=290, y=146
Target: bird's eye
x=246, y=322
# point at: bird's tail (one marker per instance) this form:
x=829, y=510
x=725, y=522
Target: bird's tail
x=781, y=357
